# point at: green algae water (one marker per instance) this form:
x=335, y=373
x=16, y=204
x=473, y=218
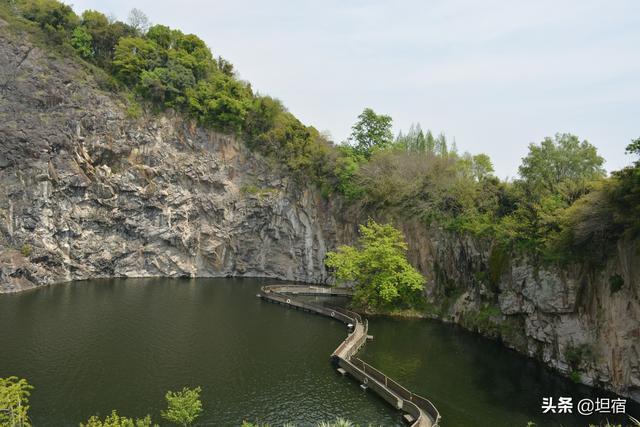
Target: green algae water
x=89, y=347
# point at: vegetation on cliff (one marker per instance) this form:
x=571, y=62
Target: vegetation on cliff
x=559, y=206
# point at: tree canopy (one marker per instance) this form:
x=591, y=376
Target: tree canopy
x=14, y=402
x=372, y=131
x=115, y=420
x=378, y=266
x=183, y=407
x=561, y=165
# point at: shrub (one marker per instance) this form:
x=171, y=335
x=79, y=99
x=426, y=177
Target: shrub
x=183, y=407
x=14, y=402
x=26, y=250
x=115, y=420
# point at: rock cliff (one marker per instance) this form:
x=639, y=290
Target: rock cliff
x=87, y=191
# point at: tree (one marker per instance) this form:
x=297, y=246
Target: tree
x=562, y=165
x=14, y=402
x=138, y=20
x=183, y=406
x=420, y=141
x=441, y=146
x=430, y=143
x=371, y=132
x=481, y=166
x=105, y=35
x=167, y=85
x=82, y=42
x=634, y=148
x=378, y=267
x=132, y=56
x=115, y=420
x=56, y=19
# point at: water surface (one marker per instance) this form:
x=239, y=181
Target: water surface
x=92, y=346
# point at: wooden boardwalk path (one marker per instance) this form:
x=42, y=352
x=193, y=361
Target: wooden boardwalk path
x=419, y=412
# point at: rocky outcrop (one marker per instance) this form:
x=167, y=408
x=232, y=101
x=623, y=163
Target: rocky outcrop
x=88, y=191
x=581, y=320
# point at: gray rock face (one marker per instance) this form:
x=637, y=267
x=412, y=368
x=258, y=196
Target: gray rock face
x=572, y=319
x=87, y=192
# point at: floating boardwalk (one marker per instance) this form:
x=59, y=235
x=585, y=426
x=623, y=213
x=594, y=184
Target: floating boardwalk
x=418, y=411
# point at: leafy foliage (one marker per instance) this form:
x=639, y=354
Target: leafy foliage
x=183, y=406
x=82, y=42
x=379, y=267
x=56, y=19
x=611, y=211
x=115, y=420
x=14, y=402
x=562, y=166
x=371, y=132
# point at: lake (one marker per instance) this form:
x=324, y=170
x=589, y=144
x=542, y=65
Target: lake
x=92, y=346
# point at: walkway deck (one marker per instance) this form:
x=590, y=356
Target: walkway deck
x=420, y=412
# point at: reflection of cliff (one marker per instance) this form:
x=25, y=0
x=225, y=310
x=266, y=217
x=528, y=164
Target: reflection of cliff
x=87, y=192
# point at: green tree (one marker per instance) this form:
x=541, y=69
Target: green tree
x=481, y=166
x=56, y=19
x=562, y=165
x=132, y=56
x=220, y=102
x=82, y=42
x=115, y=420
x=634, y=148
x=378, y=267
x=183, y=406
x=346, y=166
x=105, y=35
x=420, y=141
x=372, y=131
x=430, y=143
x=167, y=85
x=441, y=148
x=14, y=402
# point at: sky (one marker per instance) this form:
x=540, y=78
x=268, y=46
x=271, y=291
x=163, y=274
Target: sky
x=494, y=75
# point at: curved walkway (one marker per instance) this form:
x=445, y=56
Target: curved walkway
x=419, y=412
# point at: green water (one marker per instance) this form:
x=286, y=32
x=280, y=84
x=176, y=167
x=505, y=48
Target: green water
x=92, y=346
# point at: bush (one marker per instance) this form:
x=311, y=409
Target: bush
x=82, y=42
x=183, y=406
x=14, y=402
x=115, y=420
x=56, y=19
x=26, y=250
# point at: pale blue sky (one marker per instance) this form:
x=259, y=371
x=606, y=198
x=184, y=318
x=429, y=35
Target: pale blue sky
x=496, y=75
